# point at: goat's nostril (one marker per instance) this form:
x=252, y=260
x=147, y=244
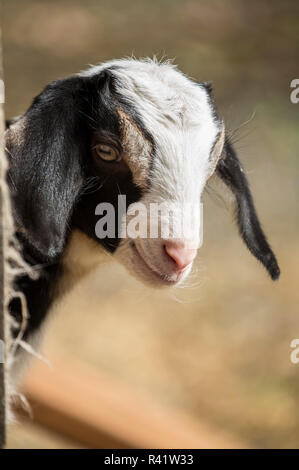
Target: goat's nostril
x=180, y=253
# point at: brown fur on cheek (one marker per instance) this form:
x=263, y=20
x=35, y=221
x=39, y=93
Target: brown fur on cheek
x=137, y=150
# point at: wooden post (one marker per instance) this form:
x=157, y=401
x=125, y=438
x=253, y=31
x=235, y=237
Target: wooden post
x=2, y=274
x=99, y=411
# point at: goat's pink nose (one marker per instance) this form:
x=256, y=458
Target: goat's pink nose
x=180, y=252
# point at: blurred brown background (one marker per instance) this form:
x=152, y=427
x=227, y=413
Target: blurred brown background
x=219, y=348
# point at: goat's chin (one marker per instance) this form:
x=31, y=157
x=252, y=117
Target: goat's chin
x=137, y=265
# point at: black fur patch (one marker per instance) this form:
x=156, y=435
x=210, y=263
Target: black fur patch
x=231, y=172
x=54, y=183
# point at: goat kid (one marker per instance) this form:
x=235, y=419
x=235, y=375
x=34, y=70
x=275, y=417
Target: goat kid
x=138, y=128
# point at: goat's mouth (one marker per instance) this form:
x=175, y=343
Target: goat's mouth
x=153, y=276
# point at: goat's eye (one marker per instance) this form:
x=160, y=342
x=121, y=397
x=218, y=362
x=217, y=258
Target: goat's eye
x=107, y=152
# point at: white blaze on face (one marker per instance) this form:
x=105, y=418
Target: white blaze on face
x=178, y=114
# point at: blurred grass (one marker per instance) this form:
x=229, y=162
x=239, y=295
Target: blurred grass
x=220, y=347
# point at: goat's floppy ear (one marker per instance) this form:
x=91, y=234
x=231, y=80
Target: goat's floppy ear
x=231, y=172
x=45, y=148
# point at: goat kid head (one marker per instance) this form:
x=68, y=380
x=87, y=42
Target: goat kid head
x=134, y=128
